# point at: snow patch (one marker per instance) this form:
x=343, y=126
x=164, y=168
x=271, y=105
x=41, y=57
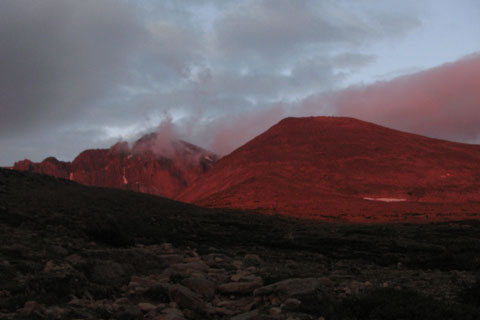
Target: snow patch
x=385, y=199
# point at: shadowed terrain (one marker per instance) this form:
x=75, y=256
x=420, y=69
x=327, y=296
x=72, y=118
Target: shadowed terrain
x=71, y=251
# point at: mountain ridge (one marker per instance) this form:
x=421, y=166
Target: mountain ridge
x=327, y=168
x=344, y=168
x=161, y=168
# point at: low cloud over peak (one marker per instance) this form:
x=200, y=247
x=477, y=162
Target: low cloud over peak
x=442, y=102
x=84, y=74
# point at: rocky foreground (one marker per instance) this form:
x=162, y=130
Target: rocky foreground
x=163, y=282
x=73, y=252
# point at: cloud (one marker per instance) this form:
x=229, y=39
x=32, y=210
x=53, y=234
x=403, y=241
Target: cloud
x=161, y=142
x=442, y=102
x=353, y=61
x=170, y=53
x=55, y=142
x=218, y=67
x=271, y=30
x=231, y=132
x=59, y=58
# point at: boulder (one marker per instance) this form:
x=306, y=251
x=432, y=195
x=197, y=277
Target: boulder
x=187, y=299
x=295, y=287
x=240, y=287
x=129, y=312
x=291, y=304
x=201, y=286
x=170, y=314
x=246, y=316
x=146, y=306
x=109, y=272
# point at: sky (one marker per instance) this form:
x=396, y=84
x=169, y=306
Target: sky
x=86, y=74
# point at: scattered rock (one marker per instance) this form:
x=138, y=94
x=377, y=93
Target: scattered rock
x=167, y=247
x=295, y=287
x=192, y=259
x=190, y=314
x=170, y=314
x=246, y=316
x=185, y=298
x=158, y=293
x=291, y=304
x=56, y=250
x=240, y=287
x=218, y=275
x=243, y=277
x=4, y=293
x=201, y=286
x=121, y=301
x=146, y=306
x=178, y=284
x=172, y=258
x=51, y=266
x=75, y=259
x=275, y=311
x=55, y=313
x=252, y=260
x=109, y=272
x=32, y=308
x=129, y=312
x=190, y=267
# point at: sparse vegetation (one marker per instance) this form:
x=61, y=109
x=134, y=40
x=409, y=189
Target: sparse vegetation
x=57, y=238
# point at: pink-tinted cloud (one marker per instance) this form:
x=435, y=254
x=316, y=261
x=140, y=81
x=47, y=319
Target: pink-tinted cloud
x=442, y=102
x=161, y=141
x=232, y=132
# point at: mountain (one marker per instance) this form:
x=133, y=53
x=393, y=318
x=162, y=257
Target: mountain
x=50, y=166
x=151, y=165
x=69, y=251
x=345, y=169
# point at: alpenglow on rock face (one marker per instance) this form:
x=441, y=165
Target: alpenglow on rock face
x=344, y=169
x=328, y=168
x=163, y=168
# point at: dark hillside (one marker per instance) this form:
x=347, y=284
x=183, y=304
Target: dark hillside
x=70, y=251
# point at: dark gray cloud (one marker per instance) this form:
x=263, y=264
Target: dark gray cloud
x=77, y=74
x=275, y=29
x=353, y=61
x=59, y=58
x=63, y=143
x=272, y=29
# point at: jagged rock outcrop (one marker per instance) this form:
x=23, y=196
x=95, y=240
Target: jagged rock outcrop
x=163, y=168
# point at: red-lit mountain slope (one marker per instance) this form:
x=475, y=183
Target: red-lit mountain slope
x=346, y=169
x=150, y=166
